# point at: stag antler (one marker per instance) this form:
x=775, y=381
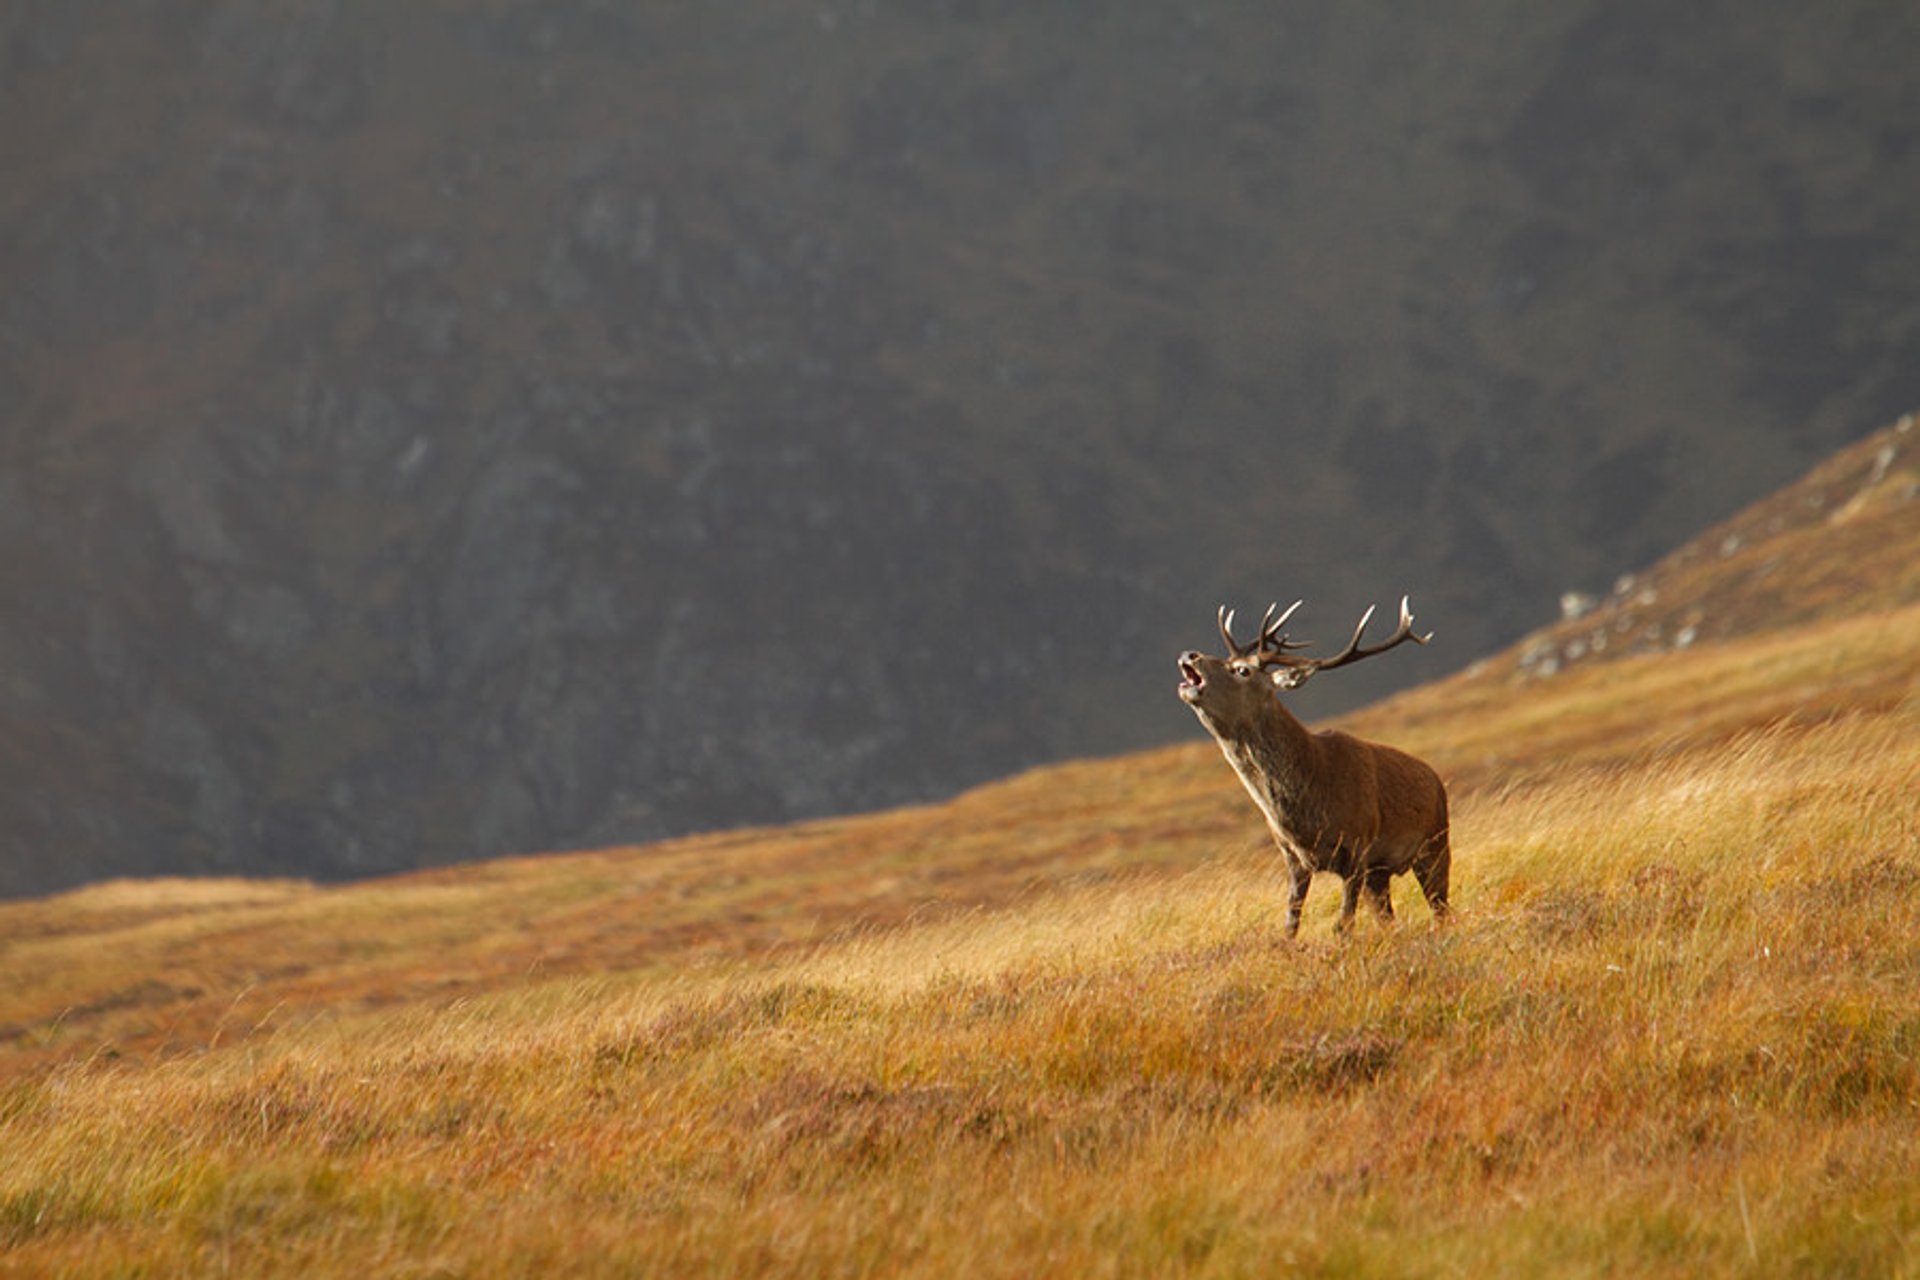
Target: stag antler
x=1270, y=644
x=1353, y=652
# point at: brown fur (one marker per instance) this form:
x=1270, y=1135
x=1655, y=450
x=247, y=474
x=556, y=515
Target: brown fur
x=1334, y=802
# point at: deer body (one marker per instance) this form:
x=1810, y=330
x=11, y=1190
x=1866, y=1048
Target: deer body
x=1364, y=811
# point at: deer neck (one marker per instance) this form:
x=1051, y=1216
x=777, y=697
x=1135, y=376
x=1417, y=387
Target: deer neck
x=1276, y=759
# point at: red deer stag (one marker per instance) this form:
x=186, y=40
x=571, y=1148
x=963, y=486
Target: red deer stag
x=1363, y=811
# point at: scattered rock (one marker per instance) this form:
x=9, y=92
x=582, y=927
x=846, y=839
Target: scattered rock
x=1881, y=462
x=1576, y=604
x=1541, y=658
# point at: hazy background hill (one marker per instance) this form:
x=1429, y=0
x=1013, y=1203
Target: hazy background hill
x=437, y=429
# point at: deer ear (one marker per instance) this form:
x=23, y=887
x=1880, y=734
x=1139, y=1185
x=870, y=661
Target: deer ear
x=1289, y=677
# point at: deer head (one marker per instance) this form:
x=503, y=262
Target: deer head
x=1244, y=680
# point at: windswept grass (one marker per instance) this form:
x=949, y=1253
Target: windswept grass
x=1672, y=1033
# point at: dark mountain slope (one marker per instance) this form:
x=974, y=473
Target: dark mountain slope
x=439, y=429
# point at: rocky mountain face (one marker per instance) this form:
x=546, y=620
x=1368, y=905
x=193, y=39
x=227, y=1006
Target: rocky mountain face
x=441, y=429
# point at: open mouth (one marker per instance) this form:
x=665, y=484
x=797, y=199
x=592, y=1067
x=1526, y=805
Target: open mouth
x=1191, y=681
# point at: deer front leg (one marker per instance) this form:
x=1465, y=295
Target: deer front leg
x=1299, y=878
x=1349, y=900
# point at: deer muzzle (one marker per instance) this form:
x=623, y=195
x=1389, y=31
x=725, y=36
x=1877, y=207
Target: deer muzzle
x=1191, y=681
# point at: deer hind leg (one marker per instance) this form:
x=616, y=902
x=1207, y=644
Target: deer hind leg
x=1300, y=878
x=1432, y=872
x=1379, y=894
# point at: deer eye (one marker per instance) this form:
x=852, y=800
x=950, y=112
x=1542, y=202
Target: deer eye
x=1243, y=671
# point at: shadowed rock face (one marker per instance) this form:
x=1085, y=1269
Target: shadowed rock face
x=436, y=430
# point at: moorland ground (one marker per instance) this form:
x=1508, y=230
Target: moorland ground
x=1052, y=1027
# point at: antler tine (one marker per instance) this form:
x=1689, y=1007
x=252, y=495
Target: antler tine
x=1226, y=633
x=1272, y=643
x=1353, y=645
x=1406, y=621
x=1270, y=625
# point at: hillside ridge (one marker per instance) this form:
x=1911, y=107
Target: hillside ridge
x=1835, y=542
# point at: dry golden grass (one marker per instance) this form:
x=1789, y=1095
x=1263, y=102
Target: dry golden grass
x=1051, y=1028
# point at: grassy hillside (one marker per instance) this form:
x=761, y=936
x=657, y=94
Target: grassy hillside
x=1052, y=1027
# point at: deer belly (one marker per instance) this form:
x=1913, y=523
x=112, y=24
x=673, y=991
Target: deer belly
x=1315, y=853
x=1342, y=855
